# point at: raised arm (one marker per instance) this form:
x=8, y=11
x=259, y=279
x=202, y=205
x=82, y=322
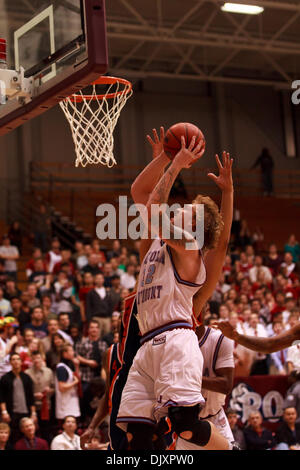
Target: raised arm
x=263, y=345
x=146, y=181
x=157, y=216
x=214, y=260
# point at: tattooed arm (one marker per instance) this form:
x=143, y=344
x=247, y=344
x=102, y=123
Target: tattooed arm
x=146, y=181
x=157, y=216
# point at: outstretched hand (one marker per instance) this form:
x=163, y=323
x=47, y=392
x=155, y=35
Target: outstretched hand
x=189, y=155
x=224, y=180
x=226, y=328
x=157, y=143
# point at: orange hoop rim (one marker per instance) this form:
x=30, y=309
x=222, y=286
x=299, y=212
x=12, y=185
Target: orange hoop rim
x=103, y=80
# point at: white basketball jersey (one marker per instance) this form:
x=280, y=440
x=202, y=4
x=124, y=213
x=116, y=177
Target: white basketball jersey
x=162, y=296
x=217, y=352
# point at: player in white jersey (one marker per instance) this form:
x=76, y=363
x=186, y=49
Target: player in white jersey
x=218, y=372
x=167, y=371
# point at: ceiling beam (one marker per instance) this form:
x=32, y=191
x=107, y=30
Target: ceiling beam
x=223, y=41
x=217, y=79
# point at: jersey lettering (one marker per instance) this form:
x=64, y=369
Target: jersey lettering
x=150, y=274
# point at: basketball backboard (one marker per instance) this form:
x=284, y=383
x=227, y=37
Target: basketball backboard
x=54, y=48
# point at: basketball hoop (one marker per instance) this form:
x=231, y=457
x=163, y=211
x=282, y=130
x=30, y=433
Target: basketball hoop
x=93, y=119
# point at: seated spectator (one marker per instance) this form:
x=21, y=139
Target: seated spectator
x=293, y=318
x=292, y=398
x=289, y=304
x=75, y=334
x=17, y=312
x=54, y=255
x=52, y=328
x=10, y=254
x=64, y=324
x=43, y=388
x=238, y=435
x=62, y=296
x=3, y=276
x=223, y=312
x=260, y=364
x=293, y=247
x=97, y=250
x=107, y=273
x=288, y=434
x=54, y=353
x=16, y=395
x=115, y=291
x=263, y=312
x=37, y=324
x=227, y=268
x=68, y=440
x=4, y=437
x=115, y=266
x=11, y=289
x=30, y=441
x=28, y=335
x=47, y=307
x=88, y=285
x=115, y=251
x=39, y=275
x=5, y=306
x=33, y=299
x=89, y=352
x=259, y=268
x=115, y=327
x=80, y=257
x=27, y=357
x=99, y=305
x=65, y=260
x=278, y=358
x=93, y=266
x=257, y=437
x=37, y=254
x=273, y=259
x=8, y=341
x=128, y=279
x=293, y=357
x=66, y=385
x=288, y=267
x=276, y=325
x=233, y=319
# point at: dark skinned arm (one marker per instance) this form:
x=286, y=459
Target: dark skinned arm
x=264, y=345
x=223, y=383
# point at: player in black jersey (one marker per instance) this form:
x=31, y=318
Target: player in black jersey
x=118, y=362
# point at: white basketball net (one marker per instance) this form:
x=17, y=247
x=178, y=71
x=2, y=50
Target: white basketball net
x=93, y=120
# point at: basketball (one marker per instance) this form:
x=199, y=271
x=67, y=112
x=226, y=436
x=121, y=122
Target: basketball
x=172, y=143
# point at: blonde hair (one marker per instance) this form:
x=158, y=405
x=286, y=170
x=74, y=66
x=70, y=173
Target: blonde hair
x=213, y=222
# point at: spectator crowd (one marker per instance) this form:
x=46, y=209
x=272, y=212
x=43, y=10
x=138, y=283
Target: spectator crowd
x=55, y=332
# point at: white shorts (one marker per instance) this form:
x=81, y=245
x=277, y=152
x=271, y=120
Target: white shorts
x=222, y=425
x=167, y=371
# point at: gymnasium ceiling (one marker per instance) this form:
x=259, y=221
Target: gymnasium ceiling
x=195, y=39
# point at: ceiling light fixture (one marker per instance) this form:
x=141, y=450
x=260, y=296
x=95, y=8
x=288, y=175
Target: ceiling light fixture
x=242, y=8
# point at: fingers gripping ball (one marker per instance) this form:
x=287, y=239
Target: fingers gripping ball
x=172, y=142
